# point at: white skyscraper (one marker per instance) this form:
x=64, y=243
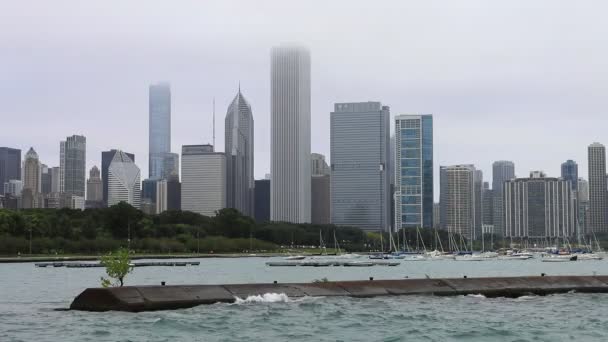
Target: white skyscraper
x=203, y=179
x=124, y=183
x=290, y=134
x=239, y=155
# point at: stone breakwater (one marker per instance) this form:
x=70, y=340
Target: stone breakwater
x=150, y=298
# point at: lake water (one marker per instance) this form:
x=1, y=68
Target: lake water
x=30, y=295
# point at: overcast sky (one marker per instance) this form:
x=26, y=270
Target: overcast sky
x=519, y=80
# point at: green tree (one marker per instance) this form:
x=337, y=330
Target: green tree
x=117, y=265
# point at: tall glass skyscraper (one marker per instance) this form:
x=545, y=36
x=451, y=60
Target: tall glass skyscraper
x=239, y=156
x=72, y=165
x=159, y=129
x=360, y=189
x=414, y=171
x=597, y=188
x=10, y=166
x=570, y=173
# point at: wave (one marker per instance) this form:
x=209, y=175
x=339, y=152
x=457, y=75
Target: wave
x=476, y=295
x=265, y=298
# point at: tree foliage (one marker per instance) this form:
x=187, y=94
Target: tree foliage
x=117, y=265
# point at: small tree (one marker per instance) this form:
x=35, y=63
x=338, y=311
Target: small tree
x=117, y=265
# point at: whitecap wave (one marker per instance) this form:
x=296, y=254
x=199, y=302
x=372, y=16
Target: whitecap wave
x=265, y=298
x=476, y=295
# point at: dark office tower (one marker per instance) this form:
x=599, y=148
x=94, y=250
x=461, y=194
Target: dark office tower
x=148, y=195
x=239, y=156
x=570, y=173
x=262, y=200
x=478, y=183
x=502, y=171
x=597, y=189
x=72, y=165
x=47, y=179
x=10, y=165
x=106, y=159
x=174, y=193
x=319, y=191
x=159, y=128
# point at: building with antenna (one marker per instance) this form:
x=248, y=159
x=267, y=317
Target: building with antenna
x=239, y=156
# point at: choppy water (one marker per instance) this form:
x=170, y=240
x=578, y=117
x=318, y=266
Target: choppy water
x=29, y=295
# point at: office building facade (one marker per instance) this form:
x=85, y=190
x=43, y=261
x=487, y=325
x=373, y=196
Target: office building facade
x=262, y=200
x=124, y=184
x=539, y=207
x=290, y=134
x=159, y=130
x=413, y=171
x=94, y=185
x=359, y=147
x=10, y=165
x=597, y=189
x=203, y=179
x=106, y=160
x=239, y=156
x=502, y=171
x=72, y=165
x=569, y=170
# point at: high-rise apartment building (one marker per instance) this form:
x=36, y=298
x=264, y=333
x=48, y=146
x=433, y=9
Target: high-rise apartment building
x=360, y=189
x=413, y=171
x=458, y=200
x=487, y=208
x=10, y=165
x=290, y=134
x=159, y=134
x=203, y=179
x=55, y=179
x=124, y=183
x=597, y=189
x=239, y=156
x=502, y=171
x=72, y=165
x=539, y=207
x=106, y=159
x=570, y=173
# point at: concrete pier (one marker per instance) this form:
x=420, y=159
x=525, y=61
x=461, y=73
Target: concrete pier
x=148, y=298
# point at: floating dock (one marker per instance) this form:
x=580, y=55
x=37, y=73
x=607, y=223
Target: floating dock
x=149, y=298
x=134, y=264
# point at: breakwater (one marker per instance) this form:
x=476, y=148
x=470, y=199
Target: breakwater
x=149, y=298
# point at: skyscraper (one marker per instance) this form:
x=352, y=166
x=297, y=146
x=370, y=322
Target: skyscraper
x=290, y=134
x=170, y=165
x=159, y=134
x=32, y=180
x=174, y=193
x=502, y=171
x=597, y=188
x=539, y=207
x=413, y=171
x=106, y=159
x=262, y=200
x=72, y=165
x=94, y=185
x=10, y=165
x=47, y=179
x=458, y=200
x=203, y=179
x=359, y=149
x=487, y=208
x=320, y=190
x=570, y=173
x=239, y=156
x=123, y=181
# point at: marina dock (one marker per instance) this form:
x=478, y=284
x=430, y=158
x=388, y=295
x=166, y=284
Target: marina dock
x=134, y=264
x=149, y=298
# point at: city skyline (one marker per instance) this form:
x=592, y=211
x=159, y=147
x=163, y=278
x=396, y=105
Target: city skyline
x=468, y=90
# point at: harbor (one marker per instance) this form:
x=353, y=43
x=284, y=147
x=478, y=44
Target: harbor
x=133, y=264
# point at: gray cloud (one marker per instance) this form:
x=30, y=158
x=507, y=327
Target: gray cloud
x=517, y=80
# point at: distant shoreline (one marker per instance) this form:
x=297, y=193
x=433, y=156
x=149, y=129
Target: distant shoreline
x=49, y=258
